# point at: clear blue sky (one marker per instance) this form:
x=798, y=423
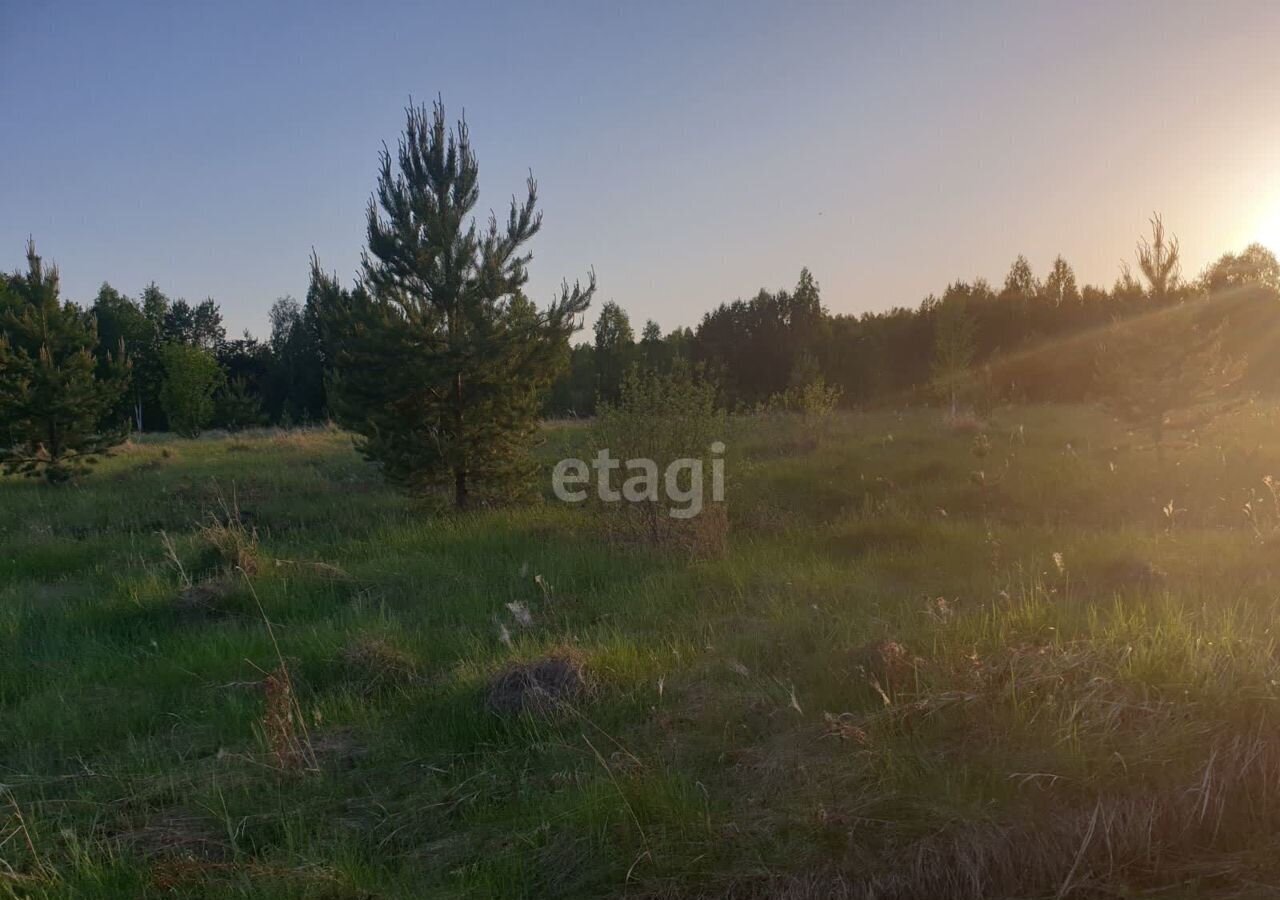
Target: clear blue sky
x=690, y=152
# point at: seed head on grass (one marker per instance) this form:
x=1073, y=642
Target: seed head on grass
x=887, y=660
x=520, y=613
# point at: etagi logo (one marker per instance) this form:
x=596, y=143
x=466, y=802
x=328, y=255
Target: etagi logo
x=643, y=484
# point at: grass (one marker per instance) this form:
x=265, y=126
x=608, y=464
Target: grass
x=1020, y=657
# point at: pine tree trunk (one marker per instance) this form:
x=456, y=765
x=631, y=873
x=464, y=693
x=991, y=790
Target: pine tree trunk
x=459, y=473
x=460, y=500
x=55, y=444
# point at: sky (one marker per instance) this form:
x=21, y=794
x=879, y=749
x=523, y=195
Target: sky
x=689, y=153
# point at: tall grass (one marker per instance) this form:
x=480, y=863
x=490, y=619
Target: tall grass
x=898, y=679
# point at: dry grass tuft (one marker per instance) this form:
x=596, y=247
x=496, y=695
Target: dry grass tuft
x=1143, y=840
x=321, y=570
x=233, y=542
x=301, y=439
x=708, y=538
x=1118, y=844
x=178, y=834
x=194, y=877
x=374, y=665
x=338, y=748
x=704, y=536
x=208, y=599
x=887, y=662
x=282, y=723
x=845, y=727
x=541, y=687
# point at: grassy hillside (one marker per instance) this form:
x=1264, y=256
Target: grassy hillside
x=1024, y=658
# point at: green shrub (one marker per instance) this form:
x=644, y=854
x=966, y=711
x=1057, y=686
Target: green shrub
x=191, y=378
x=666, y=417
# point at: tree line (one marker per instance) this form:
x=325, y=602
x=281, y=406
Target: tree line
x=754, y=349
x=1030, y=339
x=441, y=364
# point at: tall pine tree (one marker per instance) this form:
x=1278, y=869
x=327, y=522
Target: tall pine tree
x=439, y=361
x=55, y=398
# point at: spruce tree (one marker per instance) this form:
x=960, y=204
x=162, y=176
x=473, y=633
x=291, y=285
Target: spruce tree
x=56, y=400
x=438, y=359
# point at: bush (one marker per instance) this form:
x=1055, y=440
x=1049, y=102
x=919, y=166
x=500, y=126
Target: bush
x=665, y=417
x=813, y=401
x=660, y=416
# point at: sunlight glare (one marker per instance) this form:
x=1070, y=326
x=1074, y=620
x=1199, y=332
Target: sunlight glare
x=1267, y=231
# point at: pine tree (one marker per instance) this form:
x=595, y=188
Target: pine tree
x=1160, y=260
x=55, y=398
x=237, y=407
x=1167, y=370
x=439, y=361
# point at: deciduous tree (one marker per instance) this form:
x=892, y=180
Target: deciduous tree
x=191, y=378
x=953, y=348
x=615, y=343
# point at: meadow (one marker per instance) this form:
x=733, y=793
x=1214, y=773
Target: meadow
x=1019, y=657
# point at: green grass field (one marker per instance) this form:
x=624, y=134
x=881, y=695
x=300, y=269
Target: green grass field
x=1027, y=658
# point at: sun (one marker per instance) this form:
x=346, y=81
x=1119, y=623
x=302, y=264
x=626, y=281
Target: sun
x=1267, y=230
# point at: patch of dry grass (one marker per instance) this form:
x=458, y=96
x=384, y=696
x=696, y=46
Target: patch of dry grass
x=374, y=664
x=540, y=687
